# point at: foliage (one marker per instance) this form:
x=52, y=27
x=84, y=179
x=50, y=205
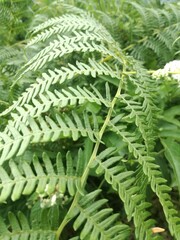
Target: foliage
x=88, y=136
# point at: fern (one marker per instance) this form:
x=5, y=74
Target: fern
x=61, y=75
x=22, y=229
x=97, y=223
x=25, y=180
x=83, y=128
x=154, y=176
x=164, y=27
x=123, y=182
x=44, y=130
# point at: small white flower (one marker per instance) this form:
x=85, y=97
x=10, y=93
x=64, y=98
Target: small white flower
x=172, y=68
x=53, y=199
x=45, y=203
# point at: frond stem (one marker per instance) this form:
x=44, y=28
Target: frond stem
x=92, y=158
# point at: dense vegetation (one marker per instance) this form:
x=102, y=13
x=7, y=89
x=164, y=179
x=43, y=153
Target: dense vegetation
x=90, y=128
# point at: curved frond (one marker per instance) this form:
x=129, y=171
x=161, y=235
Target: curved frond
x=82, y=42
x=67, y=23
x=159, y=29
x=151, y=170
x=96, y=221
x=70, y=97
x=123, y=182
x=24, y=179
x=43, y=84
x=20, y=228
x=45, y=129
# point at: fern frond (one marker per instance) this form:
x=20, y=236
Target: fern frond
x=20, y=228
x=158, y=28
x=144, y=90
x=96, y=221
x=67, y=23
x=59, y=99
x=8, y=52
x=74, y=16
x=26, y=178
x=62, y=20
x=60, y=76
x=136, y=115
x=45, y=129
x=123, y=182
x=82, y=42
x=151, y=170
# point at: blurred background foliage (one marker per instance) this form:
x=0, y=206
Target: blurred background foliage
x=148, y=30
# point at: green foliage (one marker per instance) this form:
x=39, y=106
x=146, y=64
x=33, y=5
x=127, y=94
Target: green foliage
x=88, y=137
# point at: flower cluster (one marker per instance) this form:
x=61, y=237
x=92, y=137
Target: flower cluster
x=47, y=201
x=170, y=69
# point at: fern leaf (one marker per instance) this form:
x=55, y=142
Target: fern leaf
x=123, y=182
x=151, y=170
x=44, y=130
x=47, y=179
x=67, y=23
x=56, y=20
x=159, y=29
x=136, y=113
x=59, y=76
x=21, y=229
x=84, y=42
x=59, y=99
x=97, y=222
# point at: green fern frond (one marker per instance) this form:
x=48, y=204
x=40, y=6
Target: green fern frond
x=158, y=28
x=60, y=76
x=20, y=228
x=84, y=92
x=26, y=178
x=74, y=14
x=151, y=170
x=136, y=115
x=45, y=129
x=158, y=185
x=149, y=98
x=66, y=45
x=8, y=52
x=64, y=24
x=60, y=99
x=123, y=182
x=96, y=221
x=63, y=20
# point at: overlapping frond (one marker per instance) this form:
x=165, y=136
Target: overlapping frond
x=123, y=182
x=20, y=228
x=96, y=221
x=160, y=28
x=151, y=170
x=43, y=84
x=69, y=58
x=66, y=23
x=27, y=178
x=45, y=129
x=81, y=42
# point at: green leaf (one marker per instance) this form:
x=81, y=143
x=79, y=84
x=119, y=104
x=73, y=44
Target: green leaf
x=172, y=153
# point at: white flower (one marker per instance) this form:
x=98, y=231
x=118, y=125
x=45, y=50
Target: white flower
x=53, y=199
x=172, y=68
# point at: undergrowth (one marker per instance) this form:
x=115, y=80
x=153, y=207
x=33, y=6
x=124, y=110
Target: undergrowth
x=86, y=142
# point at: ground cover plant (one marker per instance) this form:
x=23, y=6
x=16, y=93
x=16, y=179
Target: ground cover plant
x=89, y=134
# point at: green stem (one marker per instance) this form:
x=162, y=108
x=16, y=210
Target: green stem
x=92, y=158
x=133, y=44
